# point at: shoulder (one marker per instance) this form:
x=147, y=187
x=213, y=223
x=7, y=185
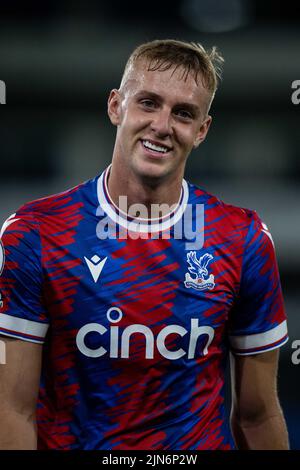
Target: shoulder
x=52, y=205
x=217, y=210
x=60, y=208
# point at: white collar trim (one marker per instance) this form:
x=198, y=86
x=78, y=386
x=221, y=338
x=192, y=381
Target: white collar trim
x=138, y=224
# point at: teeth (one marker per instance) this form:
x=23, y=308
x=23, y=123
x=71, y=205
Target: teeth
x=157, y=148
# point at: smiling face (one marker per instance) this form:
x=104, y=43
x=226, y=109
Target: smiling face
x=160, y=118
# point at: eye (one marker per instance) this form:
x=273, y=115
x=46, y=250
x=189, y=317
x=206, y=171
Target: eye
x=147, y=103
x=182, y=113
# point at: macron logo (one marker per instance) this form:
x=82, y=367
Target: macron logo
x=95, y=265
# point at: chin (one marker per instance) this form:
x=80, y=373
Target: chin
x=151, y=170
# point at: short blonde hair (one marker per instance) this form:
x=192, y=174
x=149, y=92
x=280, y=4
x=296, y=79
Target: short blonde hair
x=163, y=54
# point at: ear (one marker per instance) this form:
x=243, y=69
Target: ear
x=114, y=107
x=202, y=131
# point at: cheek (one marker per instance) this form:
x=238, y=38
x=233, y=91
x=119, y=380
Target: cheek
x=188, y=139
x=130, y=130
x=135, y=123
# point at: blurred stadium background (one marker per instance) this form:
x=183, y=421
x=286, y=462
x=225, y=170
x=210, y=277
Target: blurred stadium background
x=59, y=61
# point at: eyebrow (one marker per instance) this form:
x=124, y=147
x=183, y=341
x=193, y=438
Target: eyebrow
x=189, y=106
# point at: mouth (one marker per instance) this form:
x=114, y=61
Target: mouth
x=155, y=149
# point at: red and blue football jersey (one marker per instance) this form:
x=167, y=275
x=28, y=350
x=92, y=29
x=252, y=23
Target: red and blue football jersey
x=137, y=316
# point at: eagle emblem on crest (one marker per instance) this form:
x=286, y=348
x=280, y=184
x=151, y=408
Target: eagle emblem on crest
x=202, y=280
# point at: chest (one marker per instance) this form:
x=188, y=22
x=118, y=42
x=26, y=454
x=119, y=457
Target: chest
x=139, y=297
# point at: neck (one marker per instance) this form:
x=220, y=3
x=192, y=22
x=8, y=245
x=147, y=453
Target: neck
x=143, y=191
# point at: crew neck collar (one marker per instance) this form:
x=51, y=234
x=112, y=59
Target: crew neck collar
x=139, y=224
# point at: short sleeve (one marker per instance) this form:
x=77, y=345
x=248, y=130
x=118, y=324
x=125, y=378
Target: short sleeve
x=258, y=320
x=22, y=313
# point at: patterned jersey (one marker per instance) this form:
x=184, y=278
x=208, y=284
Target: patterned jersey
x=136, y=315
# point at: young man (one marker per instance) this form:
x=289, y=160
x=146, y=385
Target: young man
x=138, y=285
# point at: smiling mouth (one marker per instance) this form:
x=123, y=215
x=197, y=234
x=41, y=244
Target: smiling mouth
x=157, y=149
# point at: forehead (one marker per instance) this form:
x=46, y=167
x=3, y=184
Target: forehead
x=172, y=84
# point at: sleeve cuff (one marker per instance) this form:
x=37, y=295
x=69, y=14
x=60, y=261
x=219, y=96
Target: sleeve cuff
x=20, y=328
x=260, y=342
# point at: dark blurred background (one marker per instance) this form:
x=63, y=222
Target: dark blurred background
x=59, y=60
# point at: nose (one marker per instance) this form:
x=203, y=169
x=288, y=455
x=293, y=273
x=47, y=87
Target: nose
x=161, y=123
